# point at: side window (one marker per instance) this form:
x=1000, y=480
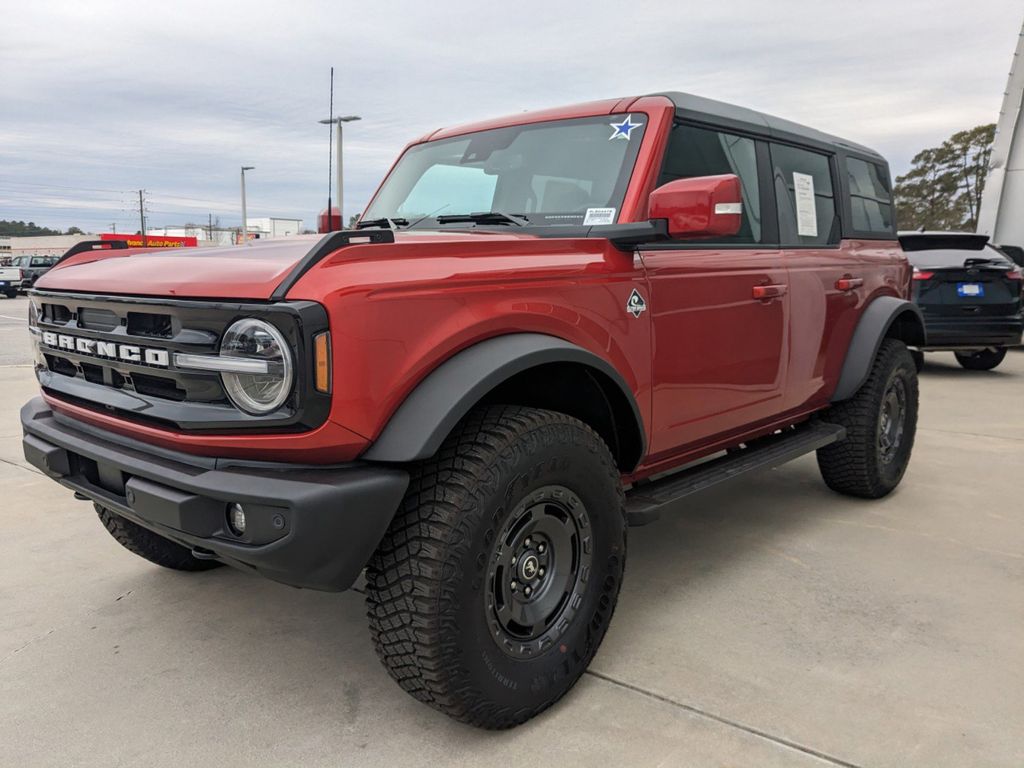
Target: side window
x=701, y=152
x=40, y=262
x=806, y=201
x=870, y=197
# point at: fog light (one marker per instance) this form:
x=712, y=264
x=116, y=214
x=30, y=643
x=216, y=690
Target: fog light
x=236, y=519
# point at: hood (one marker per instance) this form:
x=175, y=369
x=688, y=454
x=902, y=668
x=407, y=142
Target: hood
x=250, y=272
x=235, y=272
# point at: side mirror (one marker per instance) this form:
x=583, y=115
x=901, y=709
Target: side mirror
x=704, y=206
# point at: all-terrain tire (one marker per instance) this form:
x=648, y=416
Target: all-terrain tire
x=871, y=461
x=982, y=360
x=436, y=586
x=149, y=545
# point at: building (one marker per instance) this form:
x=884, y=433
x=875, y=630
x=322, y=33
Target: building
x=206, y=236
x=39, y=245
x=270, y=226
x=1003, y=197
x=261, y=228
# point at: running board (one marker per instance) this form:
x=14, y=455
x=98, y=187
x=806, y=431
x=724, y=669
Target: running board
x=644, y=502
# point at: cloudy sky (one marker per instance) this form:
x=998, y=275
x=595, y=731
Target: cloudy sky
x=99, y=99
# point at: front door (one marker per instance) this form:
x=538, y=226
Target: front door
x=719, y=311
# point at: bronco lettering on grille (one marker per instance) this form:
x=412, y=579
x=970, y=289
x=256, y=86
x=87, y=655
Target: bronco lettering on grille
x=129, y=353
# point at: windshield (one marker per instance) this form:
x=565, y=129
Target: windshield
x=558, y=172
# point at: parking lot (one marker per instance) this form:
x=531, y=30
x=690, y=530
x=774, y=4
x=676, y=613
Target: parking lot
x=770, y=622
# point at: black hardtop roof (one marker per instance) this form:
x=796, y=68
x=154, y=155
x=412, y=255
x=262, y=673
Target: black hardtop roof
x=725, y=115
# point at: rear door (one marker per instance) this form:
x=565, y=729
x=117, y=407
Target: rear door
x=719, y=351
x=831, y=279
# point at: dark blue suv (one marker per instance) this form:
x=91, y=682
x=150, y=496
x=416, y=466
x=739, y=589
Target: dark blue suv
x=969, y=294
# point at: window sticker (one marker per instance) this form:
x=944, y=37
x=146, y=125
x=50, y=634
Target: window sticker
x=623, y=129
x=599, y=216
x=806, y=212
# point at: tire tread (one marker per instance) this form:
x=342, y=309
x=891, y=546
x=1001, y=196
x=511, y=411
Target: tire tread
x=850, y=466
x=149, y=545
x=409, y=577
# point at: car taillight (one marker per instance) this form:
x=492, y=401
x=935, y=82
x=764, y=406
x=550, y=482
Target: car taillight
x=1017, y=275
x=21, y=274
x=919, y=275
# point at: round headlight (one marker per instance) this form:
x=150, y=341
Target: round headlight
x=248, y=343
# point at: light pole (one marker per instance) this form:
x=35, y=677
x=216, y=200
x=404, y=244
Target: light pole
x=338, y=121
x=245, y=219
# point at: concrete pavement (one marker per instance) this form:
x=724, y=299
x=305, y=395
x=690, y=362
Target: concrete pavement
x=770, y=623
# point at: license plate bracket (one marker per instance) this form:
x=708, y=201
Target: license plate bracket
x=970, y=290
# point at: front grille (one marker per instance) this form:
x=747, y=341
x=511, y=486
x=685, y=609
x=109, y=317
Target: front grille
x=158, y=386
x=149, y=324
x=97, y=319
x=146, y=385
x=196, y=330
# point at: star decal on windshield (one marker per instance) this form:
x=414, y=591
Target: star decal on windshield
x=623, y=129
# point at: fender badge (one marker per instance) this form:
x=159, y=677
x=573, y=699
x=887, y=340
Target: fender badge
x=635, y=304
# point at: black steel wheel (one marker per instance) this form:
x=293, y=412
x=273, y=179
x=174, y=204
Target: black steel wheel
x=495, y=584
x=538, y=571
x=892, y=420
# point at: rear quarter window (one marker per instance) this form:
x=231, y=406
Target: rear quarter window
x=870, y=197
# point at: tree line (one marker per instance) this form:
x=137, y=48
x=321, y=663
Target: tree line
x=26, y=229
x=942, y=190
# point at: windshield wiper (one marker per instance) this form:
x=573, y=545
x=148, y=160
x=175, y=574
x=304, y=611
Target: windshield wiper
x=383, y=222
x=483, y=217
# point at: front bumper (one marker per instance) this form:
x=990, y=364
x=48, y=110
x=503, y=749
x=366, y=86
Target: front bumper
x=306, y=526
x=973, y=332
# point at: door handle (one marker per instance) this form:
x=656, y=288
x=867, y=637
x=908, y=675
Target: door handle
x=849, y=283
x=769, y=291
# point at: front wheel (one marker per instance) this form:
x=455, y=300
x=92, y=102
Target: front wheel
x=982, y=360
x=880, y=421
x=150, y=546
x=497, y=579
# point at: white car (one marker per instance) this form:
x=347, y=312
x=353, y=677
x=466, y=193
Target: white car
x=10, y=281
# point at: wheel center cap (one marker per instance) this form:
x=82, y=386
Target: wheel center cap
x=528, y=567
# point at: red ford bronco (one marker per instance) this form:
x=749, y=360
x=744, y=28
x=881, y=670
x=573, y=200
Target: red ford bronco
x=544, y=329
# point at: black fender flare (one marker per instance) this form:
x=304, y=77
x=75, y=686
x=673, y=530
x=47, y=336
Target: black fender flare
x=429, y=413
x=884, y=314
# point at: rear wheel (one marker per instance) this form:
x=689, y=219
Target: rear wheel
x=880, y=421
x=495, y=583
x=982, y=360
x=11, y=294
x=146, y=544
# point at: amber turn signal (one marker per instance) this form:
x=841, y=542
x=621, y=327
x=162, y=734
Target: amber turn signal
x=322, y=361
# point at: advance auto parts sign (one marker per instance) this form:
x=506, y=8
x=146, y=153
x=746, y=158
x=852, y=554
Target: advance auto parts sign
x=153, y=241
